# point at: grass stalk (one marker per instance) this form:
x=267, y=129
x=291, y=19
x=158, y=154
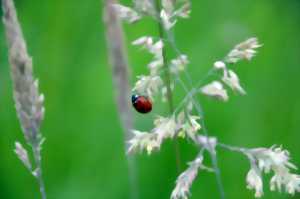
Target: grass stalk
x=162, y=33
x=28, y=101
x=120, y=73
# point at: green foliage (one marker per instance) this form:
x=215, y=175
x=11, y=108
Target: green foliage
x=83, y=153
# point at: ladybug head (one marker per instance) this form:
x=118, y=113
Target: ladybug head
x=134, y=98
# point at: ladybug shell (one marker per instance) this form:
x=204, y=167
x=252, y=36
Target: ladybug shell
x=141, y=104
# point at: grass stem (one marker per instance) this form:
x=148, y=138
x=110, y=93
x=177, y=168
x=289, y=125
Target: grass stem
x=162, y=33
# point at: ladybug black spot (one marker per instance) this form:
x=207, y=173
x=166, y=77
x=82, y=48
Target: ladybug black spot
x=134, y=98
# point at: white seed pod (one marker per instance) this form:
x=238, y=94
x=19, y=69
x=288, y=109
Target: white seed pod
x=186, y=179
x=215, y=90
x=126, y=13
x=22, y=155
x=167, y=20
x=231, y=79
x=219, y=65
x=245, y=50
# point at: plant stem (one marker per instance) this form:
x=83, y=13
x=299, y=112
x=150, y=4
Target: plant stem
x=232, y=148
x=168, y=81
x=118, y=60
x=211, y=150
x=190, y=94
x=165, y=63
x=38, y=172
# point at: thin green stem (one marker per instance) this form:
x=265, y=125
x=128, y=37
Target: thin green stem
x=168, y=81
x=38, y=171
x=210, y=148
x=232, y=148
x=170, y=38
x=198, y=107
x=165, y=63
x=201, y=114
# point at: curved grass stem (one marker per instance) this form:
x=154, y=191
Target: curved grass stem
x=162, y=33
x=211, y=150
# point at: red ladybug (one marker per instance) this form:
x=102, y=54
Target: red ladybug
x=142, y=104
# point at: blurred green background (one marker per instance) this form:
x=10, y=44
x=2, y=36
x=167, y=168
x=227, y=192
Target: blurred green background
x=83, y=153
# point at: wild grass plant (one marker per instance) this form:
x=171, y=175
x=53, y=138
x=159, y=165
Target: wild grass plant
x=186, y=119
x=28, y=101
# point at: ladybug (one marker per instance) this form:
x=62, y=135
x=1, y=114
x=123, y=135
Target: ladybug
x=142, y=104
